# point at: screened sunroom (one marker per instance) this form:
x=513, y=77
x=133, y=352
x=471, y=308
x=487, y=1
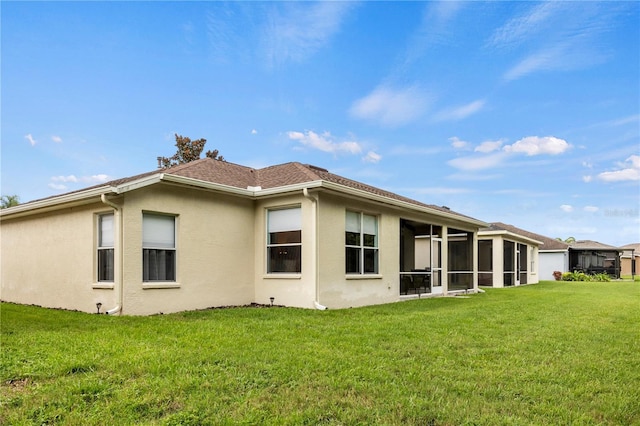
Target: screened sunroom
x=425, y=249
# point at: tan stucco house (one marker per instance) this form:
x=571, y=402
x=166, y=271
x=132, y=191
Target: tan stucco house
x=507, y=256
x=630, y=260
x=212, y=233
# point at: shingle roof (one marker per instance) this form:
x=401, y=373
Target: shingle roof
x=238, y=176
x=635, y=246
x=591, y=245
x=547, y=243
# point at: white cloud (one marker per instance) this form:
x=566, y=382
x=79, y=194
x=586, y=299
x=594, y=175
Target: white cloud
x=56, y=139
x=391, y=107
x=492, y=156
x=440, y=191
x=295, y=31
x=478, y=163
x=58, y=182
x=628, y=170
x=566, y=208
x=564, y=35
x=458, y=113
x=372, y=157
x=591, y=209
x=325, y=142
x=96, y=178
x=70, y=178
x=632, y=119
x=57, y=186
x=587, y=178
x=489, y=146
x=519, y=29
x=457, y=143
x=551, y=58
x=535, y=145
x=30, y=138
x=254, y=132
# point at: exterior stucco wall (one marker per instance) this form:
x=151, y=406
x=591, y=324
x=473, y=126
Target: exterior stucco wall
x=221, y=253
x=550, y=261
x=291, y=289
x=336, y=288
x=626, y=264
x=50, y=259
x=214, y=244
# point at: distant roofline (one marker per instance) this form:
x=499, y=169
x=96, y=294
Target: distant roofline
x=482, y=233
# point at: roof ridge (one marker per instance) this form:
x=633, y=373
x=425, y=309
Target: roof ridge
x=308, y=170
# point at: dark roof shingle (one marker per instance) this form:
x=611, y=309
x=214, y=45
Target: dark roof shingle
x=238, y=176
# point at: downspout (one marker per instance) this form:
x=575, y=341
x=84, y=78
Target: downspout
x=314, y=200
x=119, y=276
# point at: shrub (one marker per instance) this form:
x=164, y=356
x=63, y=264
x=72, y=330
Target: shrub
x=581, y=276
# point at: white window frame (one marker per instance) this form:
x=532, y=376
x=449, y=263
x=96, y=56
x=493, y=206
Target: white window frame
x=361, y=247
x=282, y=220
x=166, y=243
x=104, y=244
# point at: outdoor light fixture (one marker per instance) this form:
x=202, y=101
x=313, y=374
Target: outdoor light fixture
x=98, y=305
x=272, y=299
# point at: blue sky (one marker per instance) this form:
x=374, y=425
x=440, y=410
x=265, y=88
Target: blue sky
x=522, y=112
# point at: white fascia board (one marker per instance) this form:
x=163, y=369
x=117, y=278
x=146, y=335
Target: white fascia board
x=402, y=204
x=282, y=190
x=138, y=183
x=48, y=204
x=181, y=180
x=509, y=234
x=76, y=198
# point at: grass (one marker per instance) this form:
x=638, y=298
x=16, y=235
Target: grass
x=553, y=353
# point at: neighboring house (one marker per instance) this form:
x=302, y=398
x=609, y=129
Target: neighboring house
x=554, y=256
x=507, y=256
x=593, y=257
x=630, y=260
x=211, y=233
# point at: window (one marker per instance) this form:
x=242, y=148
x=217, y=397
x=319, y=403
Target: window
x=361, y=241
x=105, y=247
x=284, y=240
x=158, y=247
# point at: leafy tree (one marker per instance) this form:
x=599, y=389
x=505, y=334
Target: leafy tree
x=7, y=201
x=188, y=151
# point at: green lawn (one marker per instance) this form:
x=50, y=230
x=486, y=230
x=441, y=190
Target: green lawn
x=547, y=354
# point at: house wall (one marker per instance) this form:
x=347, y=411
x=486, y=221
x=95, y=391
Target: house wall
x=297, y=290
x=336, y=288
x=50, y=260
x=214, y=243
x=220, y=254
x=339, y=290
x=626, y=263
x=551, y=261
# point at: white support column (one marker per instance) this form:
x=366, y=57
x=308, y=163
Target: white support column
x=498, y=262
x=474, y=254
x=445, y=259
